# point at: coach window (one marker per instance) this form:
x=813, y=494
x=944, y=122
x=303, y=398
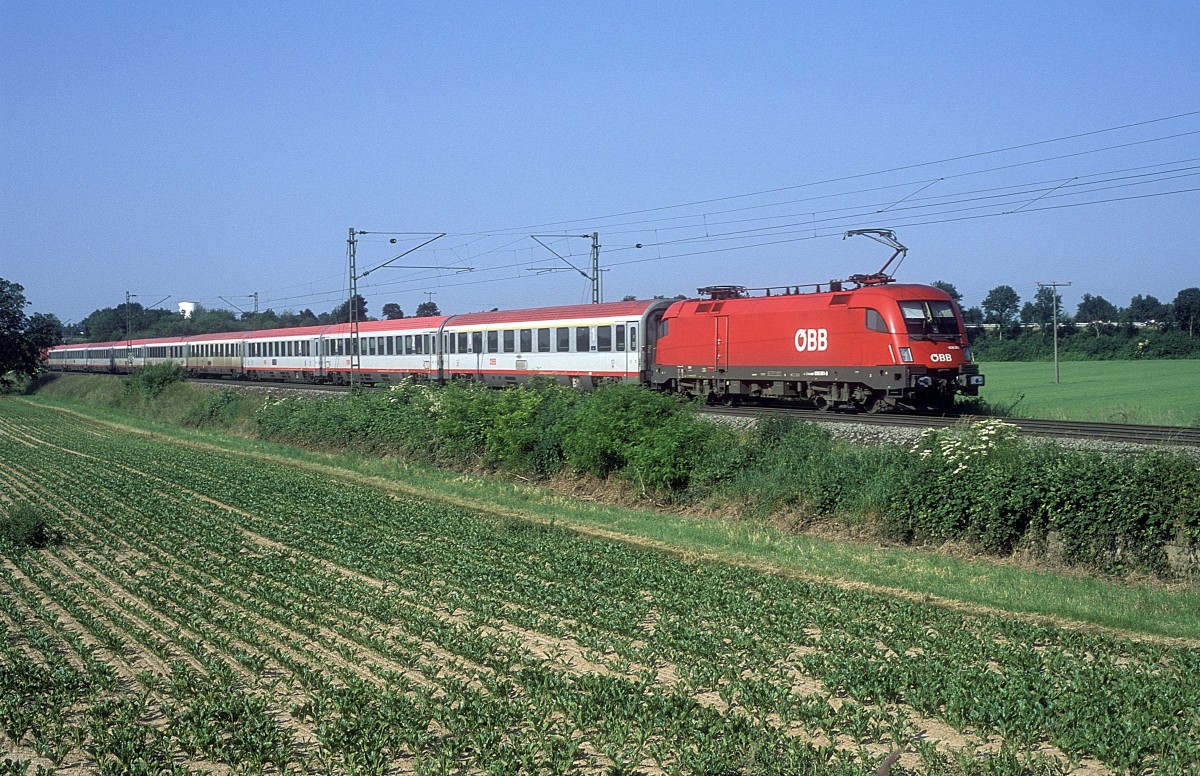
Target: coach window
x=875, y=321
x=462, y=342
x=583, y=339
x=604, y=338
x=510, y=338
x=543, y=340
x=621, y=337
x=451, y=343
x=423, y=338
x=563, y=335
x=526, y=340
x=476, y=342
x=493, y=341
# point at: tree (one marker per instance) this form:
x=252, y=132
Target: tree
x=1095, y=310
x=428, y=309
x=1042, y=309
x=306, y=317
x=949, y=289
x=1000, y=307
x=22, y=338
x=341, y=313
x=1186, y=308
x=392, y=311
x=1145, y=309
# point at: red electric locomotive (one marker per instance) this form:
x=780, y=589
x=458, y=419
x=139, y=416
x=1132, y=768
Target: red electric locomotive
x=863, y=344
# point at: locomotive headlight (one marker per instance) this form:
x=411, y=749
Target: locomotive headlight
x=906, y=355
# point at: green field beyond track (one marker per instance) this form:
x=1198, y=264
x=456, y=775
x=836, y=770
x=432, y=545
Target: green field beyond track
x=1165, y=393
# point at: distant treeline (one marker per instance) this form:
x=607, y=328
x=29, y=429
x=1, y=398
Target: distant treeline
x=1093, y=343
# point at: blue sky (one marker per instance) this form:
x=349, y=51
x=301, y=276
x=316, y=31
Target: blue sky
x=205, y=150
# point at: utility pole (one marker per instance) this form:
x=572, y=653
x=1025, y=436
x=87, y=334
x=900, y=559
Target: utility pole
x=351, y=251
x=128, y=316
x=594, y=277
x=1054, y=284
x=597, y=280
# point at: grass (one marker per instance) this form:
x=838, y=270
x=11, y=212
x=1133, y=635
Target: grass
x=1143, y=608
x=1163, y=393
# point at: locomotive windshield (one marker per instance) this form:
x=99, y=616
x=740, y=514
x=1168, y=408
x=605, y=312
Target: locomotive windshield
x=932, y=320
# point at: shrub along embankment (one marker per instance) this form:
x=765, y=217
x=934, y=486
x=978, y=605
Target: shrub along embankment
x=976, y=484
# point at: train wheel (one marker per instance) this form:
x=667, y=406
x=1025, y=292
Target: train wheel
x=874, y=406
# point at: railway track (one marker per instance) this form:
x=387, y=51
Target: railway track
x=1117, y=433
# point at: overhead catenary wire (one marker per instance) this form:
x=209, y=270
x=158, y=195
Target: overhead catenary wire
x=910, y=208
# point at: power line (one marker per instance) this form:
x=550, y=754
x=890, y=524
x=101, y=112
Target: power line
x=910, y=209
x=890, y=170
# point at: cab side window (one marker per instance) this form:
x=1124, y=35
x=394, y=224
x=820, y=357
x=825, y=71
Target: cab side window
x=875, y=321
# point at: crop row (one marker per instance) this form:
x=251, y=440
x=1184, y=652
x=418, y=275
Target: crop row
x=208, y=608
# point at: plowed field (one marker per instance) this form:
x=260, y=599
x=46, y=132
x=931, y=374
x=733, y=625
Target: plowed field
x=208, y=610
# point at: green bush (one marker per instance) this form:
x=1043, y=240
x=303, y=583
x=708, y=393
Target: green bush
x=217, y=409
x=525, y=431
x=150, y=381
x=609, y=423
x=25, y=525
x=976, y=483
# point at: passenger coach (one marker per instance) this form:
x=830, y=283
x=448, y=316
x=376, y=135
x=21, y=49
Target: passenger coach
x=578, y=345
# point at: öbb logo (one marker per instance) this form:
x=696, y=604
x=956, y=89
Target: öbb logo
x=811, y=340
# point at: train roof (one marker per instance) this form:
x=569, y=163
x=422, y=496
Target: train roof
x=565, y=312
x=792, y=296
x=501, y=317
